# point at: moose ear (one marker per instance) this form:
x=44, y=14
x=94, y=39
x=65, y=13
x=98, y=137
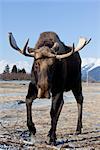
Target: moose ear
x=55, y=47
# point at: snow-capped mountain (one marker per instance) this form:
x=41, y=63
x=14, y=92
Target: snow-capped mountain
x=90, y=67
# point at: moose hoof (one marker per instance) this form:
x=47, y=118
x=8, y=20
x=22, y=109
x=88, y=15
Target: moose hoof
x=51, y=141
x=78, y=132
x=32, y=128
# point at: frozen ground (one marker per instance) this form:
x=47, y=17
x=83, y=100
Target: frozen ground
x=13, y=129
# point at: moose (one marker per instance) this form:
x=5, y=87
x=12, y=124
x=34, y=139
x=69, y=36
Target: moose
x=56, y=68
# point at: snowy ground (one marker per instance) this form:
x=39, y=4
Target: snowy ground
x=13, y=129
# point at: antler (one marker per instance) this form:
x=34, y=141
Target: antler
x=66, y=55
x=82, y=42
x=38, y=53
x=14, y=45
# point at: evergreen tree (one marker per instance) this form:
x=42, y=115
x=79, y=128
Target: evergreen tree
x=19, y=70
x=23, y=70
x=14, y=69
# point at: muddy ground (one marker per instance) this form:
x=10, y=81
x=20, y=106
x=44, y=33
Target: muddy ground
x=14, y=132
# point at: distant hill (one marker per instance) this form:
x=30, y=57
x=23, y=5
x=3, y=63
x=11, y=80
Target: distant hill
x=95, y=73
x=91, y=69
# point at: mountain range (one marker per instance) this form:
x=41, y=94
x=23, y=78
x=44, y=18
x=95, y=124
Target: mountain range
x=90, y=68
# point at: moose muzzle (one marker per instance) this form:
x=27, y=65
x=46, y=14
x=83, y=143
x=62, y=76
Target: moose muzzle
x=43, y=93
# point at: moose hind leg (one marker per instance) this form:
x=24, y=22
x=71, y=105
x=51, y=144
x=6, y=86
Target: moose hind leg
x=79, y=99
x=32, y=93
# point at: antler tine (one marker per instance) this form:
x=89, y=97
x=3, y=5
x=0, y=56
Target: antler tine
x=88, y=41
x=82, y=42
x=13, y=42
x=24, y=50
x=14, y=45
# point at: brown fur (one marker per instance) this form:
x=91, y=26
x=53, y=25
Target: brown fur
x=47, y=39
x=55, y=76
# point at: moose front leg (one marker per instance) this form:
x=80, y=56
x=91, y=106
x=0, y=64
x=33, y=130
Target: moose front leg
x=79, y=99
x=57, y=103
x=32, y=93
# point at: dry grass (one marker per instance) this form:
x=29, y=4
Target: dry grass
x=13, y=129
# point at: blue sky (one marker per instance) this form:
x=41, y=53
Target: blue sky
x=70, y=19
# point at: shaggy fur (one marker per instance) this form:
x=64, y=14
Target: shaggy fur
x=57, y=76
x=48, y=39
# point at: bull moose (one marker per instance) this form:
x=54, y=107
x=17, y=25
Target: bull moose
x=56, y=68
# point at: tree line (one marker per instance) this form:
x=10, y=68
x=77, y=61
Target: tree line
x=14, y=69
x=14, y=74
